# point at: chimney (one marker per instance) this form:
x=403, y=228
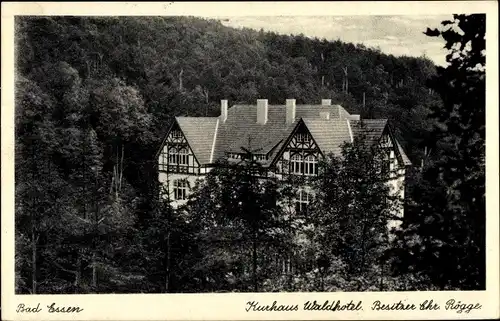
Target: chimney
x=324, y=115
x=223, y=110
x=262, y=111
x=326, y=102
x=290, y=111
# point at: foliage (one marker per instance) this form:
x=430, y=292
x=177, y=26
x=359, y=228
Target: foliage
x=445, y=233
x=353, y=206
x=239, y=227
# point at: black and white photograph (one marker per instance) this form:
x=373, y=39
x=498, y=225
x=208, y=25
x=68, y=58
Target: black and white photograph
x=193, y=154
x=184, y=154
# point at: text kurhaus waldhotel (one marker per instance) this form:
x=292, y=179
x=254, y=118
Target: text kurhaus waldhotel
x=286, y=139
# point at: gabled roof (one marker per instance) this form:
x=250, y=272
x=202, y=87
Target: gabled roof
x=199, y=133
x=241, y=129
x=329, y=134
x=369, y=130
x=210, y=138
x=406, y=160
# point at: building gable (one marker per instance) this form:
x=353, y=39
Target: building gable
x=388, y=140
x=371, y=132
x=200, y=133
x=330, y=134
x=298, y=149
x=176, y=153
x=302, y=140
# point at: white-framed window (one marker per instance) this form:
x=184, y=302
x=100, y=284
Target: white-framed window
x=392, y=164
x=310, y=165
x=302, y=201
x=295, y=164
x=172, y=157
x=176, y=134
x=234, y=155
x=242, y=156
x=389, y=163
x=178, y=156
x=303, y=165
x=385, y=141
x=302, y=137
x=164, y=161
x=180, y=189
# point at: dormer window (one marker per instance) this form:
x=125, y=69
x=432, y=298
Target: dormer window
x=260, y=157
x=234, y=156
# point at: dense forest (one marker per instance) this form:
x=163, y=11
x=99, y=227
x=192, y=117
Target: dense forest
x=94, y=96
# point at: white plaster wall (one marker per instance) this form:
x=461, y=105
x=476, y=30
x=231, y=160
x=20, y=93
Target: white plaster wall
x=167, y=179
x=397, y=188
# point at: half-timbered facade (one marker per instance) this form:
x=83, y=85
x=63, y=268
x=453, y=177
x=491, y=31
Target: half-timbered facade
x=287, y=139
x=300, y=155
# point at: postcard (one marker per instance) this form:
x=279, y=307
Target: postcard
x=250, y=160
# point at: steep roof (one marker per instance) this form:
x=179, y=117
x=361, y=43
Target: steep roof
x=329, y=134
x=199, y=133
x=369, y=129
x=210, y=138
x=241, y=128
x=406, y=160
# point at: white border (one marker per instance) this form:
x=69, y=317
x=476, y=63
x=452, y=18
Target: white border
x=232, y=306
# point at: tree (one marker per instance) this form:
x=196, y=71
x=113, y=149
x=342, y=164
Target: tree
x=40, y=189
x=445, y=232
x=352, y=210
x=237, y=217
x=166, y=247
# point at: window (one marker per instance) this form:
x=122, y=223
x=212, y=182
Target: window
x=392, y=164
x=178, y=157
x=260, y=157
x=180, y=189
x=385, y=139
x=172, y=157
x=302, y=202
x=245, y=156
x=176, y=134
x=305, y=166
x=295, y=162
x=389, y=164
x=302, y=137
x=164, y=161
x=310, y=165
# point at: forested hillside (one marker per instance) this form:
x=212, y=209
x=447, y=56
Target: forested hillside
x=95, y=95
x=184, y=66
